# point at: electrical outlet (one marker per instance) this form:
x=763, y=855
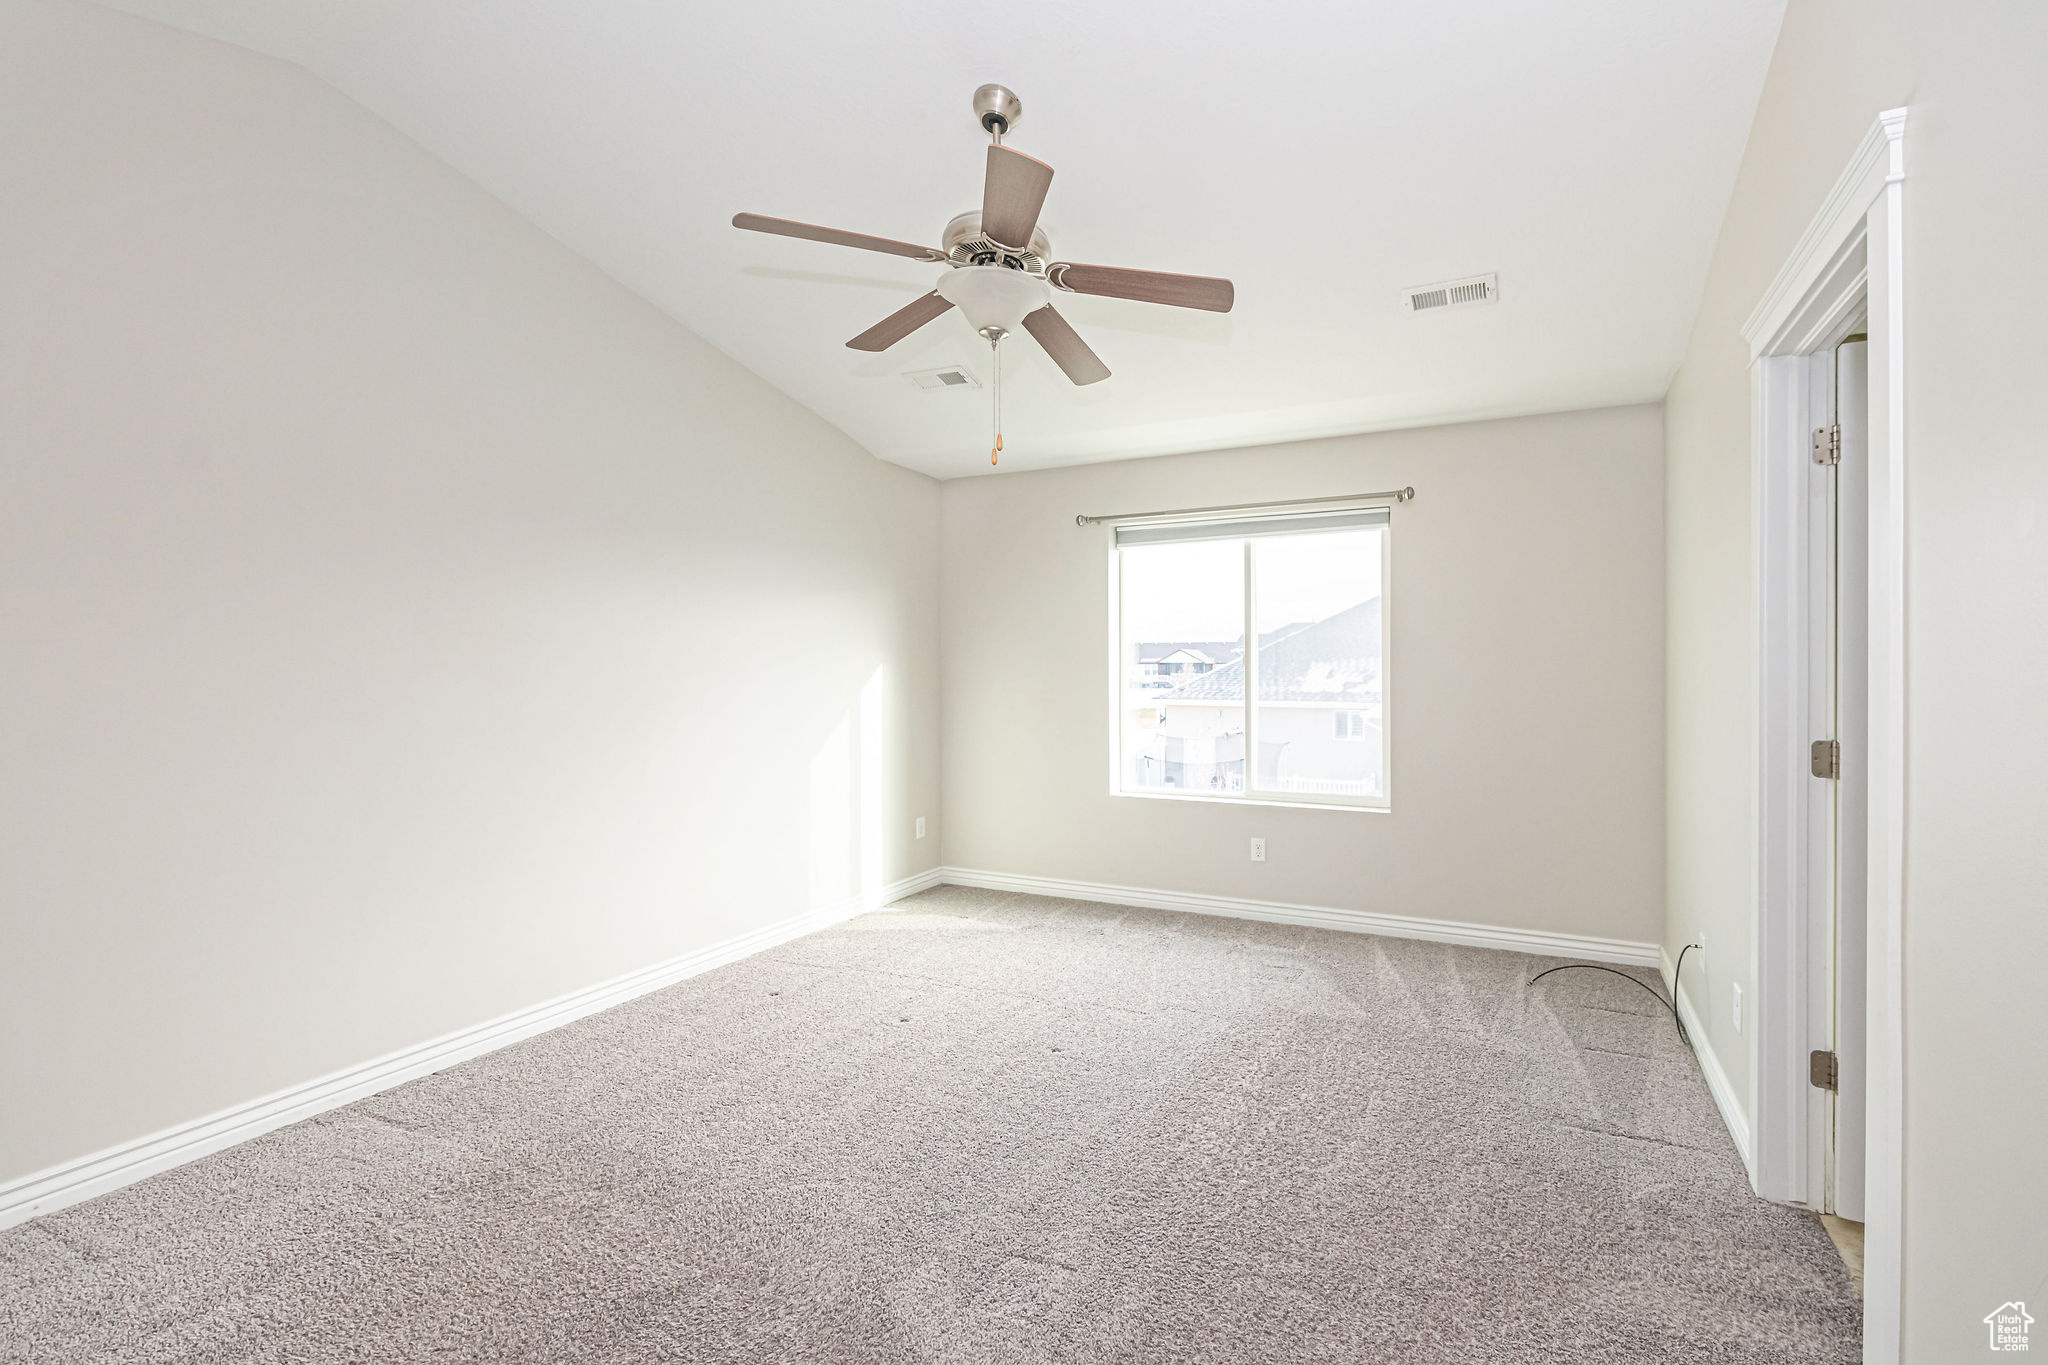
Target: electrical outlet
x=1737, y=986
x=920, y=827
x=1258, y=850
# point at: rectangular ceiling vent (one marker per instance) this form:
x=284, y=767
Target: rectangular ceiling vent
x=952, y=377
x=1425, y=298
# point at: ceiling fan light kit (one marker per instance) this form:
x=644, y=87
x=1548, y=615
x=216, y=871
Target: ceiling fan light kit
x=990, y=296
x=998, y=270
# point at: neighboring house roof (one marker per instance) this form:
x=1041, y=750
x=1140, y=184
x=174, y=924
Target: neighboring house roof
x=1212, y=651
x=1267, y=637
x=1336, y=660
x=1188, y=656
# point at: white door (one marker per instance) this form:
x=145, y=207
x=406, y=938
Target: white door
x=1850, y=822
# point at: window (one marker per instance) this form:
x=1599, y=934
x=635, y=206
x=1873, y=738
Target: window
x=1251, y=659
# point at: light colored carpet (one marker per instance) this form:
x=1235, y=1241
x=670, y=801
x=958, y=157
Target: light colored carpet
x=989, y=1128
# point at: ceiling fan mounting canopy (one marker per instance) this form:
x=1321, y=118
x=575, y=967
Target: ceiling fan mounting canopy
x=997, y=109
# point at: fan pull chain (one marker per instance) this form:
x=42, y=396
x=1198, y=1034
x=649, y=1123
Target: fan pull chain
x=995, y=346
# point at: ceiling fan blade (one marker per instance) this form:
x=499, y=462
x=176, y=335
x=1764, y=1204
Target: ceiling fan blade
x=1146, y=286
x=1065, y=346
x=900, y=323
x=1012, y=195
x=783, y=227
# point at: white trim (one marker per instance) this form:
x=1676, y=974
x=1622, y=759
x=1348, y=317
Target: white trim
x=89, y=1176
x=1885, y=878
x=1850, y=259
x=1797, y=298
x=1718, y=1084
x=1535, y=941
x=1168, y=795
x=1252, y=794
x=910, y=886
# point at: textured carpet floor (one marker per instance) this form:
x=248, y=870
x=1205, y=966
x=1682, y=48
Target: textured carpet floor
x=989, y=1128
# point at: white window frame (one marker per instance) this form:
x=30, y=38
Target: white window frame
x=1252, y=794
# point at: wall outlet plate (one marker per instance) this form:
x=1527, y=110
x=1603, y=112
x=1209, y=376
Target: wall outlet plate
x=1258, y=850
x=1737, y=986
x=920, y=827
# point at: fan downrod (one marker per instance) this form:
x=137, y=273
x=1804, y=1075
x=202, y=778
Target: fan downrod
x=998, y=110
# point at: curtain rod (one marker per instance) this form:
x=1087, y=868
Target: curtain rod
x=1399, y=495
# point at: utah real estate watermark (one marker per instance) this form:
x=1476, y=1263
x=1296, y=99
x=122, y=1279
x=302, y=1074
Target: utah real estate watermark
x=2008, y=1325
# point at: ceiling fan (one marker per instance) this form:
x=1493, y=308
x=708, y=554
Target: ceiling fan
x=999, y=272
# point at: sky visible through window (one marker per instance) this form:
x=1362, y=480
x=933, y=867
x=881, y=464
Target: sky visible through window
x=1195, y=591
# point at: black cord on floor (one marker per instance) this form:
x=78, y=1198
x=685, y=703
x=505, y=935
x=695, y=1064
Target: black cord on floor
x=1671, y=1004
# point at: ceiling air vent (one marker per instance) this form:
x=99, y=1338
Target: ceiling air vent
x=952, y=377
x=1424, y=298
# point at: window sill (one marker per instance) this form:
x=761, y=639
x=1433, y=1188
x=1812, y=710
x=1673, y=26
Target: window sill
x=1346, y=806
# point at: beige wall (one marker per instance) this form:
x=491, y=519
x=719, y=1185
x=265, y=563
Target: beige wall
x=1526, y=680
x=1976, y=212
x=1712, y=736
x=403, y=624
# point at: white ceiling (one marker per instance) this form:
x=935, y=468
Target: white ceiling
x=1322, y=155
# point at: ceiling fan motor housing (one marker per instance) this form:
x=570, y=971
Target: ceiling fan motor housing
x=966, y=244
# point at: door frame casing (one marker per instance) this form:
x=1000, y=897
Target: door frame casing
x=1849, y=264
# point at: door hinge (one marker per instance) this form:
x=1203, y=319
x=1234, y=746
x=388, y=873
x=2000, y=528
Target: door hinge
x=1827, y=758
x=1827, y=444
x=1823, y=1071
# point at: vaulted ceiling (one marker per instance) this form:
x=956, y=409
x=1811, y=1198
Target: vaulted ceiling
x=1322, y=155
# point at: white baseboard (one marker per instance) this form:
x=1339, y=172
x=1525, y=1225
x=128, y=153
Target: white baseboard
x=1536, y=941
x=1718, y=1084
x=89, y=1176
x=910, y=886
